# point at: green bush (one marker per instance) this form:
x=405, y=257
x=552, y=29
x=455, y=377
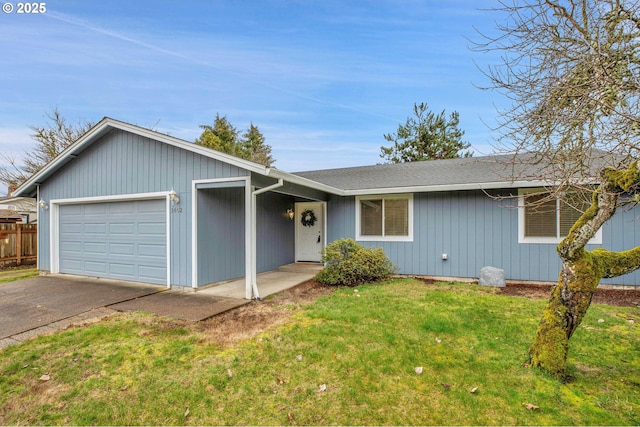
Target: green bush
x=349, y=263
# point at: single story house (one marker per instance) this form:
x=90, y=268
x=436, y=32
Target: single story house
x=130, y=203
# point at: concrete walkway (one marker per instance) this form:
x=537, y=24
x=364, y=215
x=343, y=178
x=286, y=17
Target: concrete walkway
x=45, y=304
x=269, y=283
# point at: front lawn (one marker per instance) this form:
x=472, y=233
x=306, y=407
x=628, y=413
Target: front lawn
x=348, y=358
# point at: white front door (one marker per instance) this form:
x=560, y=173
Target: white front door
x=309, y=231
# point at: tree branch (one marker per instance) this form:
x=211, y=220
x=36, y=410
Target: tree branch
x=603, y=205
x=614, y=264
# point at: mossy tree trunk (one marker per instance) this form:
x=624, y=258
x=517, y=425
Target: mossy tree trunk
x=581, y=272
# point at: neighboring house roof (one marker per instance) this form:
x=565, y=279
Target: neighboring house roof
x=8, y=215
x=20, y=204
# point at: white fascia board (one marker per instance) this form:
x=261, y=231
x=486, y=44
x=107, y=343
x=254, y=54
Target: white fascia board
x=98, y=129
x=113, y=198
x=295, y=179
x=448, y=187
x=107, y=124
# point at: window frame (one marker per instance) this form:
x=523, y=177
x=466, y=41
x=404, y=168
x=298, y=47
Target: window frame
x=383, y=237
x=522, y=192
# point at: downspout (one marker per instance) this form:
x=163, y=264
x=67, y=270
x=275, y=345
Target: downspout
x=254, y=232
x=38, y=221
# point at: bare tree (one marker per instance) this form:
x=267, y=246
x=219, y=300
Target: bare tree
x=51, y=140
x=571, y=70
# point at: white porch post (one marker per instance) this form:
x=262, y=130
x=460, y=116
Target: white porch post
x=252, y=282
x=249, y=240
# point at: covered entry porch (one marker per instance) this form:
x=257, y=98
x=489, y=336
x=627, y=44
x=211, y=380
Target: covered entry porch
x=246, y=226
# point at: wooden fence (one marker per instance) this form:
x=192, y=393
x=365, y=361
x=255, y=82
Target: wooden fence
x=18, y=243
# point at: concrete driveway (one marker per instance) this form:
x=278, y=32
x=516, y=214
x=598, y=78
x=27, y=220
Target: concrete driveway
x=43, y=304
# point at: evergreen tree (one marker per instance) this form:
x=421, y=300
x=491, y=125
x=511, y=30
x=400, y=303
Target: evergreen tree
x=224, y=137
x=426, y=136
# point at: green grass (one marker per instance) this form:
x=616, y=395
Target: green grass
x=137, y=369
x=17, y=274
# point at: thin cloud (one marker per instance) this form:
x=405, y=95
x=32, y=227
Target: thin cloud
x=92, y=27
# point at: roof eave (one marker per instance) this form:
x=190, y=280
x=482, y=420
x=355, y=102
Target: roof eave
x=106, y=125
x=296, y=179
x=448, y=187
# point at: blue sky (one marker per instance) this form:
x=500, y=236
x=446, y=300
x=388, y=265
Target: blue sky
x=323, y=80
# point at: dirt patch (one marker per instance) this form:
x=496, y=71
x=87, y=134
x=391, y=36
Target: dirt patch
x=251, y=320
x=255, y=318
x=629, y=298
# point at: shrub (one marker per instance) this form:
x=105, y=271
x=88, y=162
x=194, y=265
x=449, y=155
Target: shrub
x=349, y=263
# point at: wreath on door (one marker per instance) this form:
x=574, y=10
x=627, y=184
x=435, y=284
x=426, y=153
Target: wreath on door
x=308, y=218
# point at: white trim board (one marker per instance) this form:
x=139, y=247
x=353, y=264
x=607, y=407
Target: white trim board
x=194, y=217
x=54, y=221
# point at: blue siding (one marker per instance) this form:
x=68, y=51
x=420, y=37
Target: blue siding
x=221, y=235
x=275, y=231
x=341, y=218
x=475, y=230
x=125, y=163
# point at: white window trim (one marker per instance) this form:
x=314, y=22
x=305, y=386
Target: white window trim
x=596, y=240
x=407, y=238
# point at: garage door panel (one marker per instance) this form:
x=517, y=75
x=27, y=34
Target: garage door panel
x=71, y=266
x=71, y=246
x=151, y=273
x=122, y=228
x=122, y=269
x=94, y=209
x=99, y=248
x=71, y=229
x=122, y=249
x=94, y=228
x=151, y=250
x=148, y=209
x=95, y=267
x=74, y=210
x=115, y=240
x=152, y=228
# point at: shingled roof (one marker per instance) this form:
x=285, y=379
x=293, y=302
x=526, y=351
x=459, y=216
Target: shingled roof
x=488, y=172
x=478, y=172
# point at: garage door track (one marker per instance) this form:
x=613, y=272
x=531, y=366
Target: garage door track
x=42, y=304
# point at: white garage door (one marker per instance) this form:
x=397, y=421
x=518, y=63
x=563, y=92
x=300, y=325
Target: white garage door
x=117, y=240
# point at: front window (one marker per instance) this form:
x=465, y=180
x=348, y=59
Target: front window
x=385, y=218
x=545, y=219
